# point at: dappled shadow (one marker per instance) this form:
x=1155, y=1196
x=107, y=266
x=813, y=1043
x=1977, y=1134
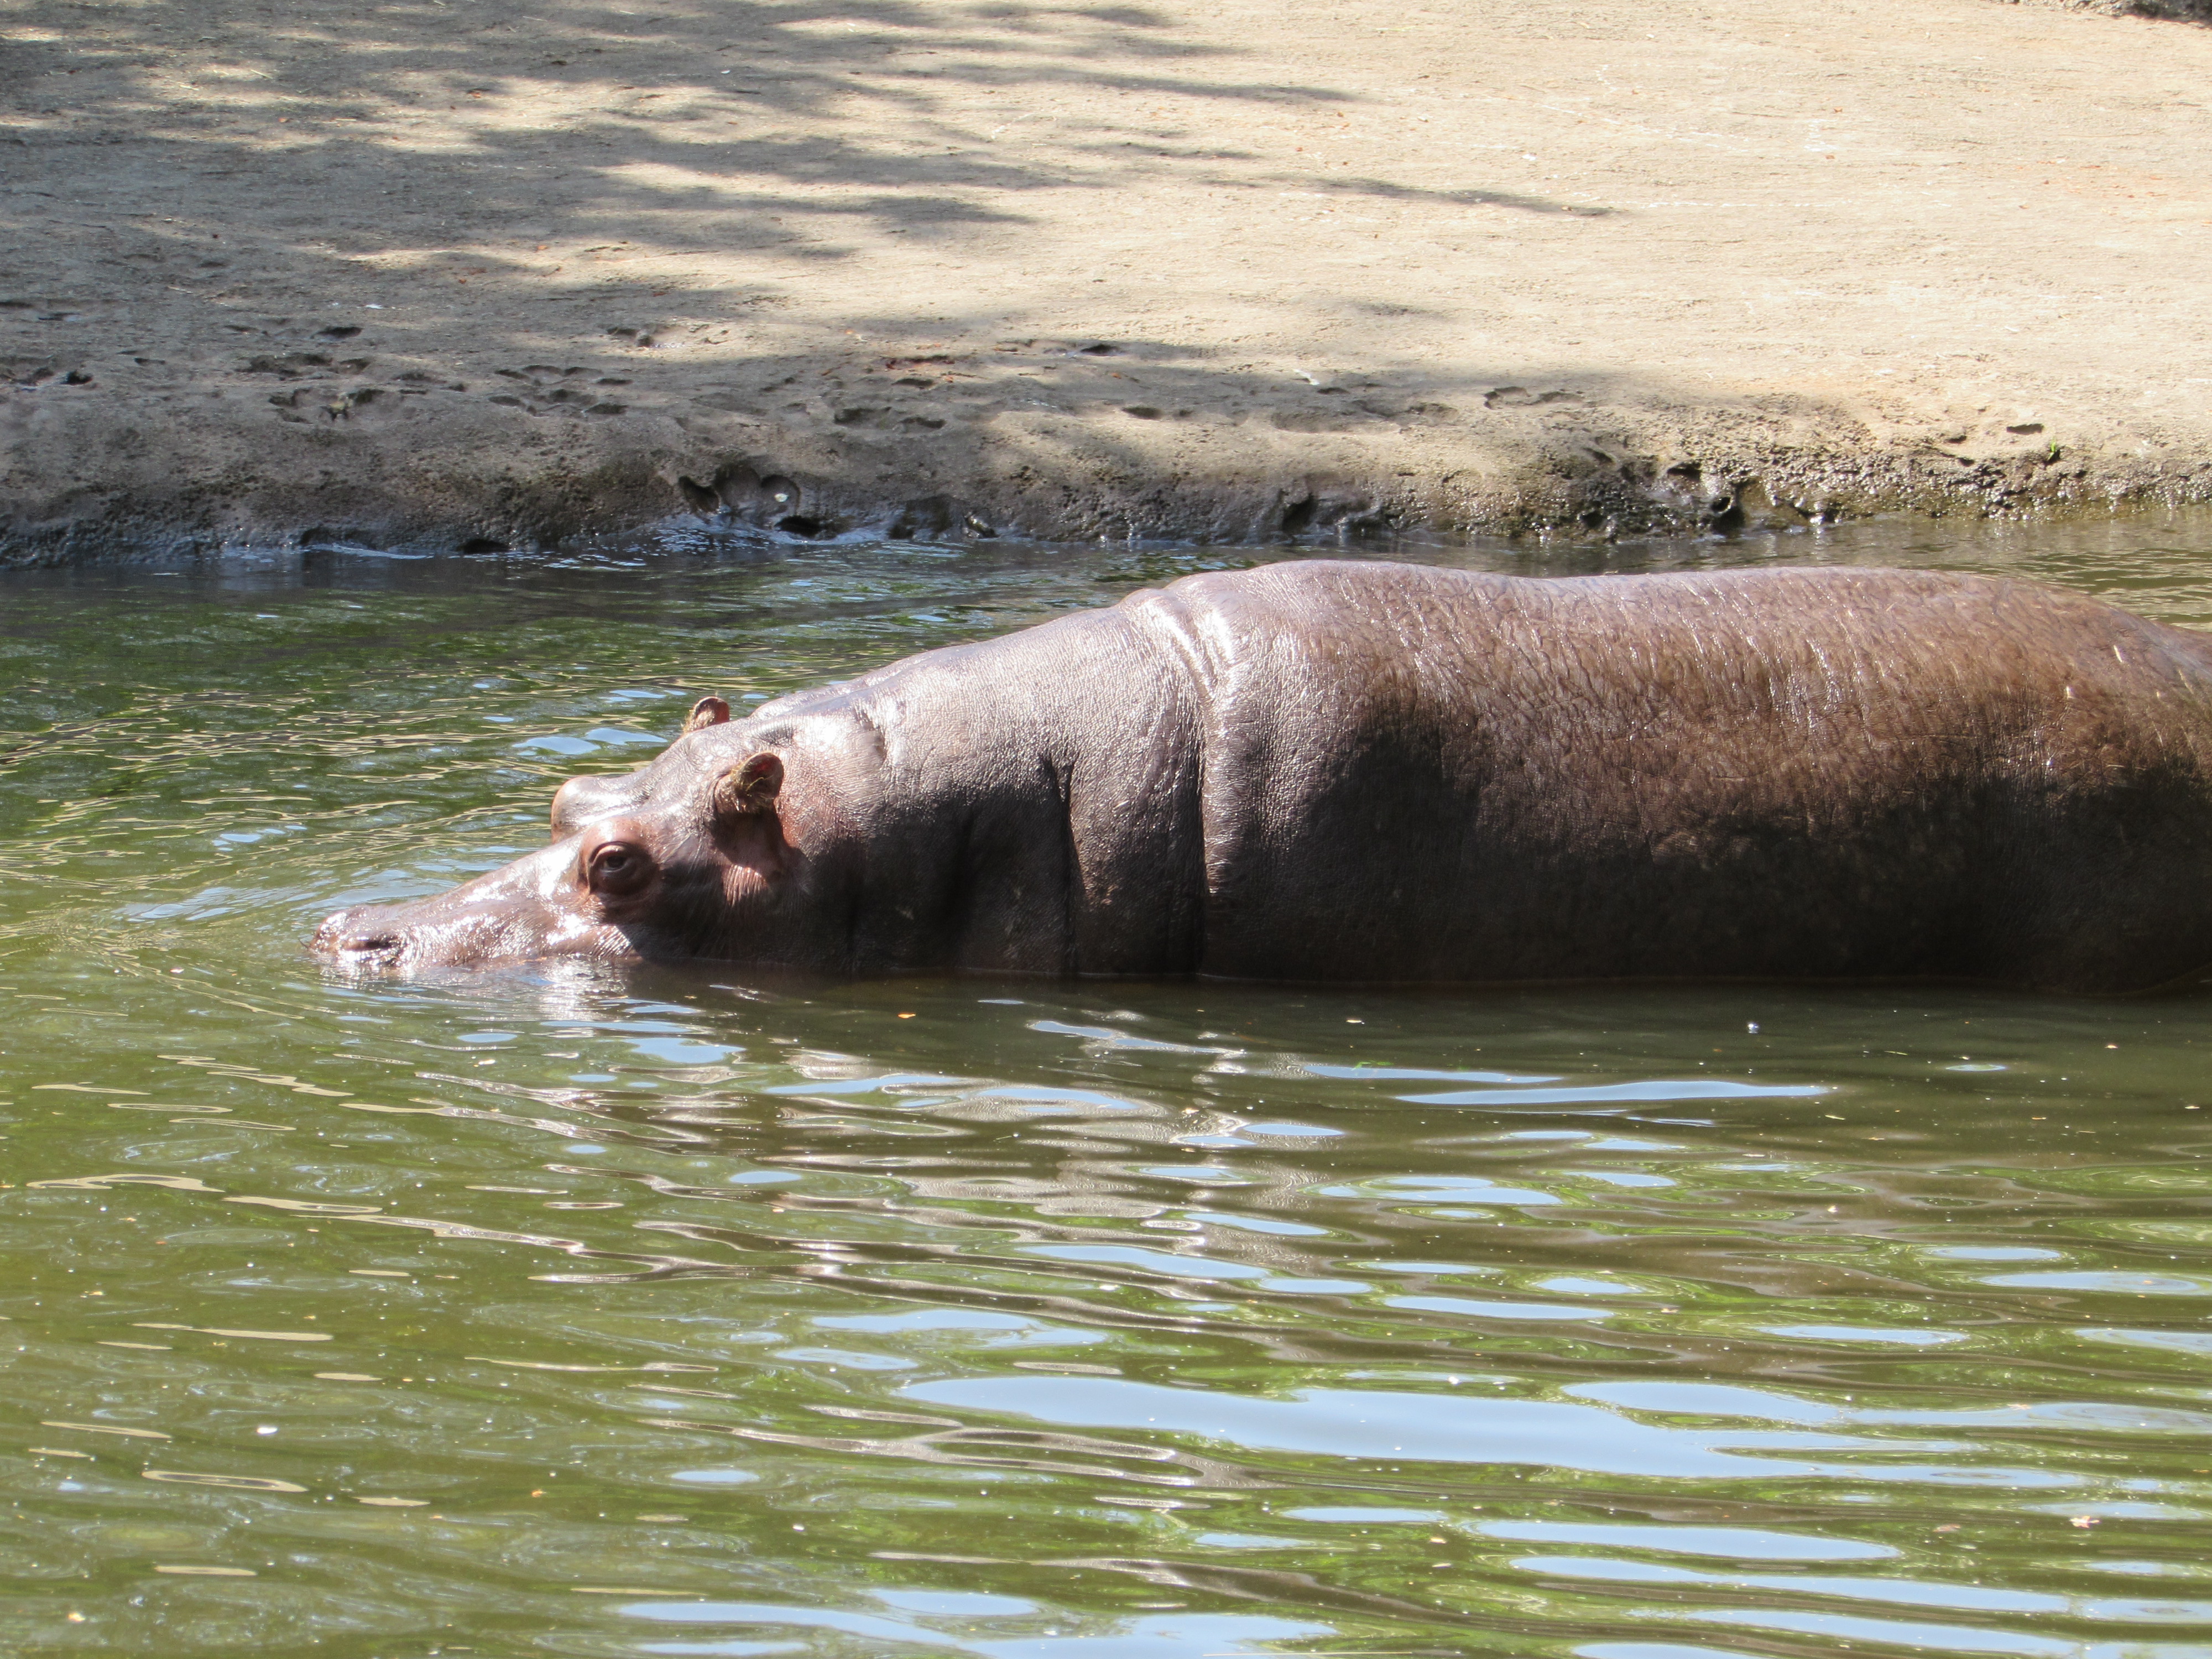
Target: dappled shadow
x=582, y=119
x=525, y=265
x=422, y=136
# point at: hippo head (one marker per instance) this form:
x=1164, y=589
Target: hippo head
x=687, y=857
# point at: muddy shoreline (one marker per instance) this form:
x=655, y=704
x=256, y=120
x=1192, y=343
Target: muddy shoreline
x=534, y=474
x=411, y=279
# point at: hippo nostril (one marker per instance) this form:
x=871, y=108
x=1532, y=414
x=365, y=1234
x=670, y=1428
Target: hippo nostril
x=351, y=934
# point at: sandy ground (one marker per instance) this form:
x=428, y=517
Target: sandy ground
x=503, y=272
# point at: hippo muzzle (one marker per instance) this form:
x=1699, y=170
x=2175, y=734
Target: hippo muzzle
x=535, y=908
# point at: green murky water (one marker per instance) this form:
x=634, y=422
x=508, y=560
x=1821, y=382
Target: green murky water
x=668, y=1314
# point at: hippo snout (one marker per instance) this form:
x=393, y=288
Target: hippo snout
x=534, y=908
x=362, y=934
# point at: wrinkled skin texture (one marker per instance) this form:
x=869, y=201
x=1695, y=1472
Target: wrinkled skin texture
x=1356, y=771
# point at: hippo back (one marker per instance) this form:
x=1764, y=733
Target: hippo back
x=1425, y=775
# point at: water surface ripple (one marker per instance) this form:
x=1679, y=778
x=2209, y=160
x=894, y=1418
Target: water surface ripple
x=695, y=1313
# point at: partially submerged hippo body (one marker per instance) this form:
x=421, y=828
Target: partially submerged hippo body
x=1349, y=771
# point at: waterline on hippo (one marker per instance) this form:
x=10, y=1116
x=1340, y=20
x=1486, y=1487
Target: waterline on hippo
x=1342, y=771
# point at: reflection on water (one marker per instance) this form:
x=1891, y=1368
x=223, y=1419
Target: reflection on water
x=680, y=1312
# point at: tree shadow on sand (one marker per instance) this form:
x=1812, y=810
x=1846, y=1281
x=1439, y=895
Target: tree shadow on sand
x=286, y=155
x=330, y=220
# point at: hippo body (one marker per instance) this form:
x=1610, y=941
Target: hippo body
x=1334, y=770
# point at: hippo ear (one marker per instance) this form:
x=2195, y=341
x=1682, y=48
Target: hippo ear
x=749, y=789
x=707, y=711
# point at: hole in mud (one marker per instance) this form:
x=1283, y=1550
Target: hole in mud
x=935, y=515
x=482, y=544
x=1520, y=397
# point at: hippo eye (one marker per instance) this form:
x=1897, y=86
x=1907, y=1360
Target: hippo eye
x=618, y=869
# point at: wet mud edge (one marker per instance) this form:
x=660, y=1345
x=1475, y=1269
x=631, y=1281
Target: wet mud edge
x=87, y=477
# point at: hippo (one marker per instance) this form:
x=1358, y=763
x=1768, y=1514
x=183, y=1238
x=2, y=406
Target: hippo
x=1346, y=771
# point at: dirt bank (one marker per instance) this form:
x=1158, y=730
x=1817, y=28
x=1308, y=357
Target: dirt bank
x=505, y=271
